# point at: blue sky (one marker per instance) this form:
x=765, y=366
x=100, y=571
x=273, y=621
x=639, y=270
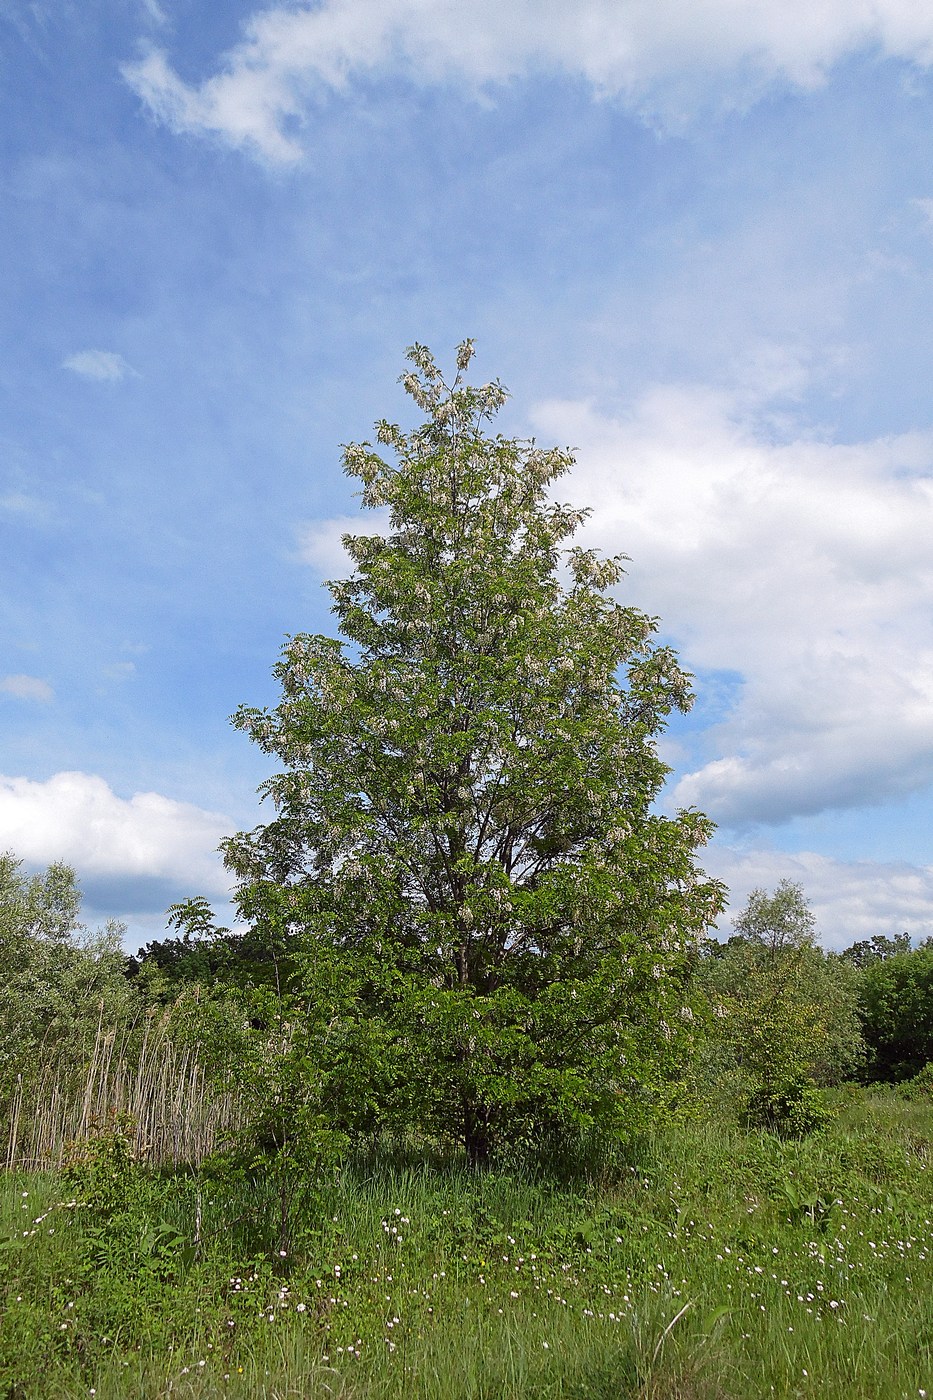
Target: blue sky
x=696, y=242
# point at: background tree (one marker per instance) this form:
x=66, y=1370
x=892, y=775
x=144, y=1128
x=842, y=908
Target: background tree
x=54, y=973
x=785, y=1012
x=495, y=920
x=896, y=1005
x=204, y=955
x=777, y=923
x=59, y=982
x=876, y=949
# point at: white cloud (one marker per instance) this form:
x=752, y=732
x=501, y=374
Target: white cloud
x=27, y=688
x=155, y=12
x=664, y=58
x=926, y=209
x=320, y=542
x=851, y=899
x=120, y=671
x=103, y=365
x=28, y=507
x=805, y=566
x=78, y=818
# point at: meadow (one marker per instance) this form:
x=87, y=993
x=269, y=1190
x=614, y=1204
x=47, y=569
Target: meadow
x=703, y=1262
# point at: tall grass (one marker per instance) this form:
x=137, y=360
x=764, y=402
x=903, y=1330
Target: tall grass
x=137, y=1069
x=713, y=1264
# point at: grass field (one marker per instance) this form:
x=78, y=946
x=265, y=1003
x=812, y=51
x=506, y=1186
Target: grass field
x=707, y=1263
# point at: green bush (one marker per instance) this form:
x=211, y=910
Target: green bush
x=920, y=1088
x=793, y=1109
x=896, y=1006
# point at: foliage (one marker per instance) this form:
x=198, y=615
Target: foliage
x=784, y=1012
x=260, y=1048
x=203, y=954
x=896, y=1005
x=99, y=1166
x=56, y=979
x=920, y=1088
x=495, y=922
x=877, y=948
x=790, y=1108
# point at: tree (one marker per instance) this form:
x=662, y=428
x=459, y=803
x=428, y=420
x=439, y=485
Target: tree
x=878, y=948
x=43, y=906
x=495, y=922
x=777, y=922
x=788, y=1011
x=207, y=955
x=54, y=974
x=896, y=1003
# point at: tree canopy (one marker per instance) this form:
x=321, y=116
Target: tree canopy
x=778, y=922
x=494, y=919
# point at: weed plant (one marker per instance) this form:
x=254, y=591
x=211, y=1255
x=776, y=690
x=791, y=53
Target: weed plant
x=709, y=1264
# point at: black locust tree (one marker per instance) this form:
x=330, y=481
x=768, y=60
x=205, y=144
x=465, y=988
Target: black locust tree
x=495, y=922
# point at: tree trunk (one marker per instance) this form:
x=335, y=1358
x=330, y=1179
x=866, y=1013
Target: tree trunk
x=476, y=1137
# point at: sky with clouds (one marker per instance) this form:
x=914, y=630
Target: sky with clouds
x=696, y=242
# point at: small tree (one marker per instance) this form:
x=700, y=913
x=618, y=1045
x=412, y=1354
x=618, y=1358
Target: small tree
x=788, y=1016
x=495, y=922
x=777, y=923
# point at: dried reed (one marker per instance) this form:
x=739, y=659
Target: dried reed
x=137, y=1068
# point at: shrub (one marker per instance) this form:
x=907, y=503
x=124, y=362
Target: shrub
x=794, y=1109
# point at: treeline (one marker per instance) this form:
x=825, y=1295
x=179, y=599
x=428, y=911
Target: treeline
x=192, y=1042
x=865, y=1013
